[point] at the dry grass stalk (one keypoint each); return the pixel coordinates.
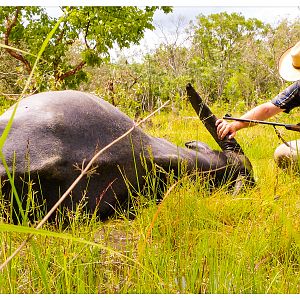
(76, 181)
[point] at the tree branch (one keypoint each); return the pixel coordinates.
(9, 27)
(86, 33)
(72, 72)
(61, 35)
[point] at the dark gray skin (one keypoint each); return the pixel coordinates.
(53, 132)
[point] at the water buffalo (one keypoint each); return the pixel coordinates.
(54, 133)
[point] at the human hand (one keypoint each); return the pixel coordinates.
(224, 128)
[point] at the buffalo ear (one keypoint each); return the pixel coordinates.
(198, 146)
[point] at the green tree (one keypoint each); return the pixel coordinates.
(241, 73)
(97, 28)
(217, 43)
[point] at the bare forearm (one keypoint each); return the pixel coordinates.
(261, 112)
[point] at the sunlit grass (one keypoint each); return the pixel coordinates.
(195, 241)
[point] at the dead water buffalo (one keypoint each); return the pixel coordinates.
(53, 132)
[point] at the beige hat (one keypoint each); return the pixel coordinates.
(289, 64)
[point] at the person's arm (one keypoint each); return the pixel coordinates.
(260, 112)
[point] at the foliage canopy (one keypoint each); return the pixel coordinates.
(96, 28)
(228, 58)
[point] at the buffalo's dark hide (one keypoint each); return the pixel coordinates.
(54, 133)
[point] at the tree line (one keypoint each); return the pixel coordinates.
(229, 58)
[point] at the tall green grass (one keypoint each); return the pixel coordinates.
(194, 241)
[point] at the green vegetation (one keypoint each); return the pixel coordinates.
(193, 242)
(228, 58)
(88, 33)
(196, 240)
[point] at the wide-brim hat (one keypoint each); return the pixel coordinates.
(289, 64)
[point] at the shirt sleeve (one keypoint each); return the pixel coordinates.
(289, 98)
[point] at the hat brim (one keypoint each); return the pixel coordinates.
(286, 69)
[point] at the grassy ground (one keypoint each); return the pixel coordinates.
(193, 242)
